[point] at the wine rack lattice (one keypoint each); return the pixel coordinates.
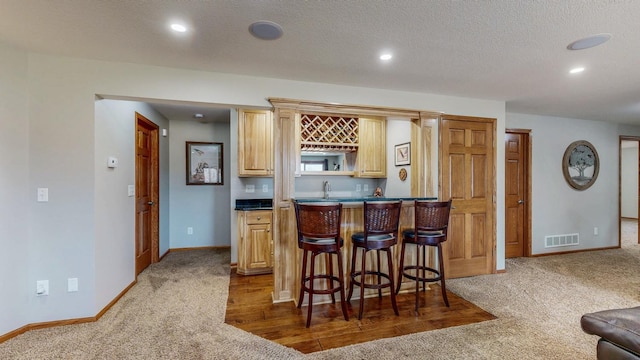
(328, 133)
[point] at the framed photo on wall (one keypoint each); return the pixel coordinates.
(580, 165)
(403, 154)
(204, 163)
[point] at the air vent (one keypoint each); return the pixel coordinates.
(561, 240)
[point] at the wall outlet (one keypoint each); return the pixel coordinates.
(72, 284)
(189, 231)
(43, 194)
(265, 188)
(595, 230)
(42, 287)
(250, 188)
(366, 187)
(358, 187)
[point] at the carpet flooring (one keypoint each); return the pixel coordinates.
(177, 311)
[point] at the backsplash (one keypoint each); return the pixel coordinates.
(311, 186)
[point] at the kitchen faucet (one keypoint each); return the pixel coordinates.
(327, 188)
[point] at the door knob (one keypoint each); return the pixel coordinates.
(150, 203)
(520, 201)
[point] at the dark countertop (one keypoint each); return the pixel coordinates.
(254, 204)
(362, 199)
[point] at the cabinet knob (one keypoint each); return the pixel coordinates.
(258, 218)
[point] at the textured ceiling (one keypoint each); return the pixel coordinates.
(507, 50)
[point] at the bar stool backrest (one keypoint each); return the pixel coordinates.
(432, 216)
(381, 218)
(318, 221)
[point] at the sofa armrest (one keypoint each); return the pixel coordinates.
(618, 326)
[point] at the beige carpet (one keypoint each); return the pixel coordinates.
(176, 311)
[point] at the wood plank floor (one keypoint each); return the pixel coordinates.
(250, 308)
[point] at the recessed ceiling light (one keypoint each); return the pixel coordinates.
(198, 116)
(265, 30)
(576, 70)
(386, 57)
(589, 42)
(178, 28)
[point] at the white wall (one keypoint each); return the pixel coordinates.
(115, 211)
(398, 132)
(556, 207)
(629, 181)
(62, 146)
(16, 196)
(205, 208)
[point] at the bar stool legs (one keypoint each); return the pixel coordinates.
(331, 288)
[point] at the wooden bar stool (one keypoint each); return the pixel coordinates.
(381, 220)
(319, 233)
(430, 229)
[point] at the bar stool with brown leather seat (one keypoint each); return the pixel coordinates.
(381, 219)
(430, 229)
(319, 233)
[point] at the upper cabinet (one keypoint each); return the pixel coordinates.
(371, 161)
(255, 143)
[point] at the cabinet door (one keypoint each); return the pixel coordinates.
(259, 242)
(372, 156)
(255, 149)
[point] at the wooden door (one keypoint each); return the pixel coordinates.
(146, 190)
(468, 177)
(516, 194)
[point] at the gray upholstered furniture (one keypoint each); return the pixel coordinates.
(619, 331)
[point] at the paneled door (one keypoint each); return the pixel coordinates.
(516, 145)
(468, 177)
(146, 193)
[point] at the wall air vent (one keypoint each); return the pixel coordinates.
(561, 240)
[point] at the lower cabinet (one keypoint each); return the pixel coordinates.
(255, 242)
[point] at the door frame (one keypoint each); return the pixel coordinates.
(155, 185)
(621, 139)
(527, 148)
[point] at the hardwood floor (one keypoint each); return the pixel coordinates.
(250, 308)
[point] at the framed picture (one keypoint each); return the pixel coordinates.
(204, 163)
(580, 165)
(403, 154)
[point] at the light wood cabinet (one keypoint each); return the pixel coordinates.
(255, 242)
(255, 143)
(371, 160)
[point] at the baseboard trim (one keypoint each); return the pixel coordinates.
(576, 251)
(49, 324)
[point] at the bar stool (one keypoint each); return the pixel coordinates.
(431, 223)
(381, 220)
(319, 233)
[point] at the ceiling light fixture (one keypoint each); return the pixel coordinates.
(178, 28)
(265, 30)
(198, 116)
(576, 70)
(589, 42)
(386, 57)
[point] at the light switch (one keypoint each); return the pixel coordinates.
(131, 190)
(72, 284)
(250, 188)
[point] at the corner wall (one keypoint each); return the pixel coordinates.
(556, 207)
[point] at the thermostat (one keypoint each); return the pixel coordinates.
(112, 162)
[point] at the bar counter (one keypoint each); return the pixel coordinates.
(352, 222)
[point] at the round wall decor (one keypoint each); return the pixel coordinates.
(403, 174)
(580, 165)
